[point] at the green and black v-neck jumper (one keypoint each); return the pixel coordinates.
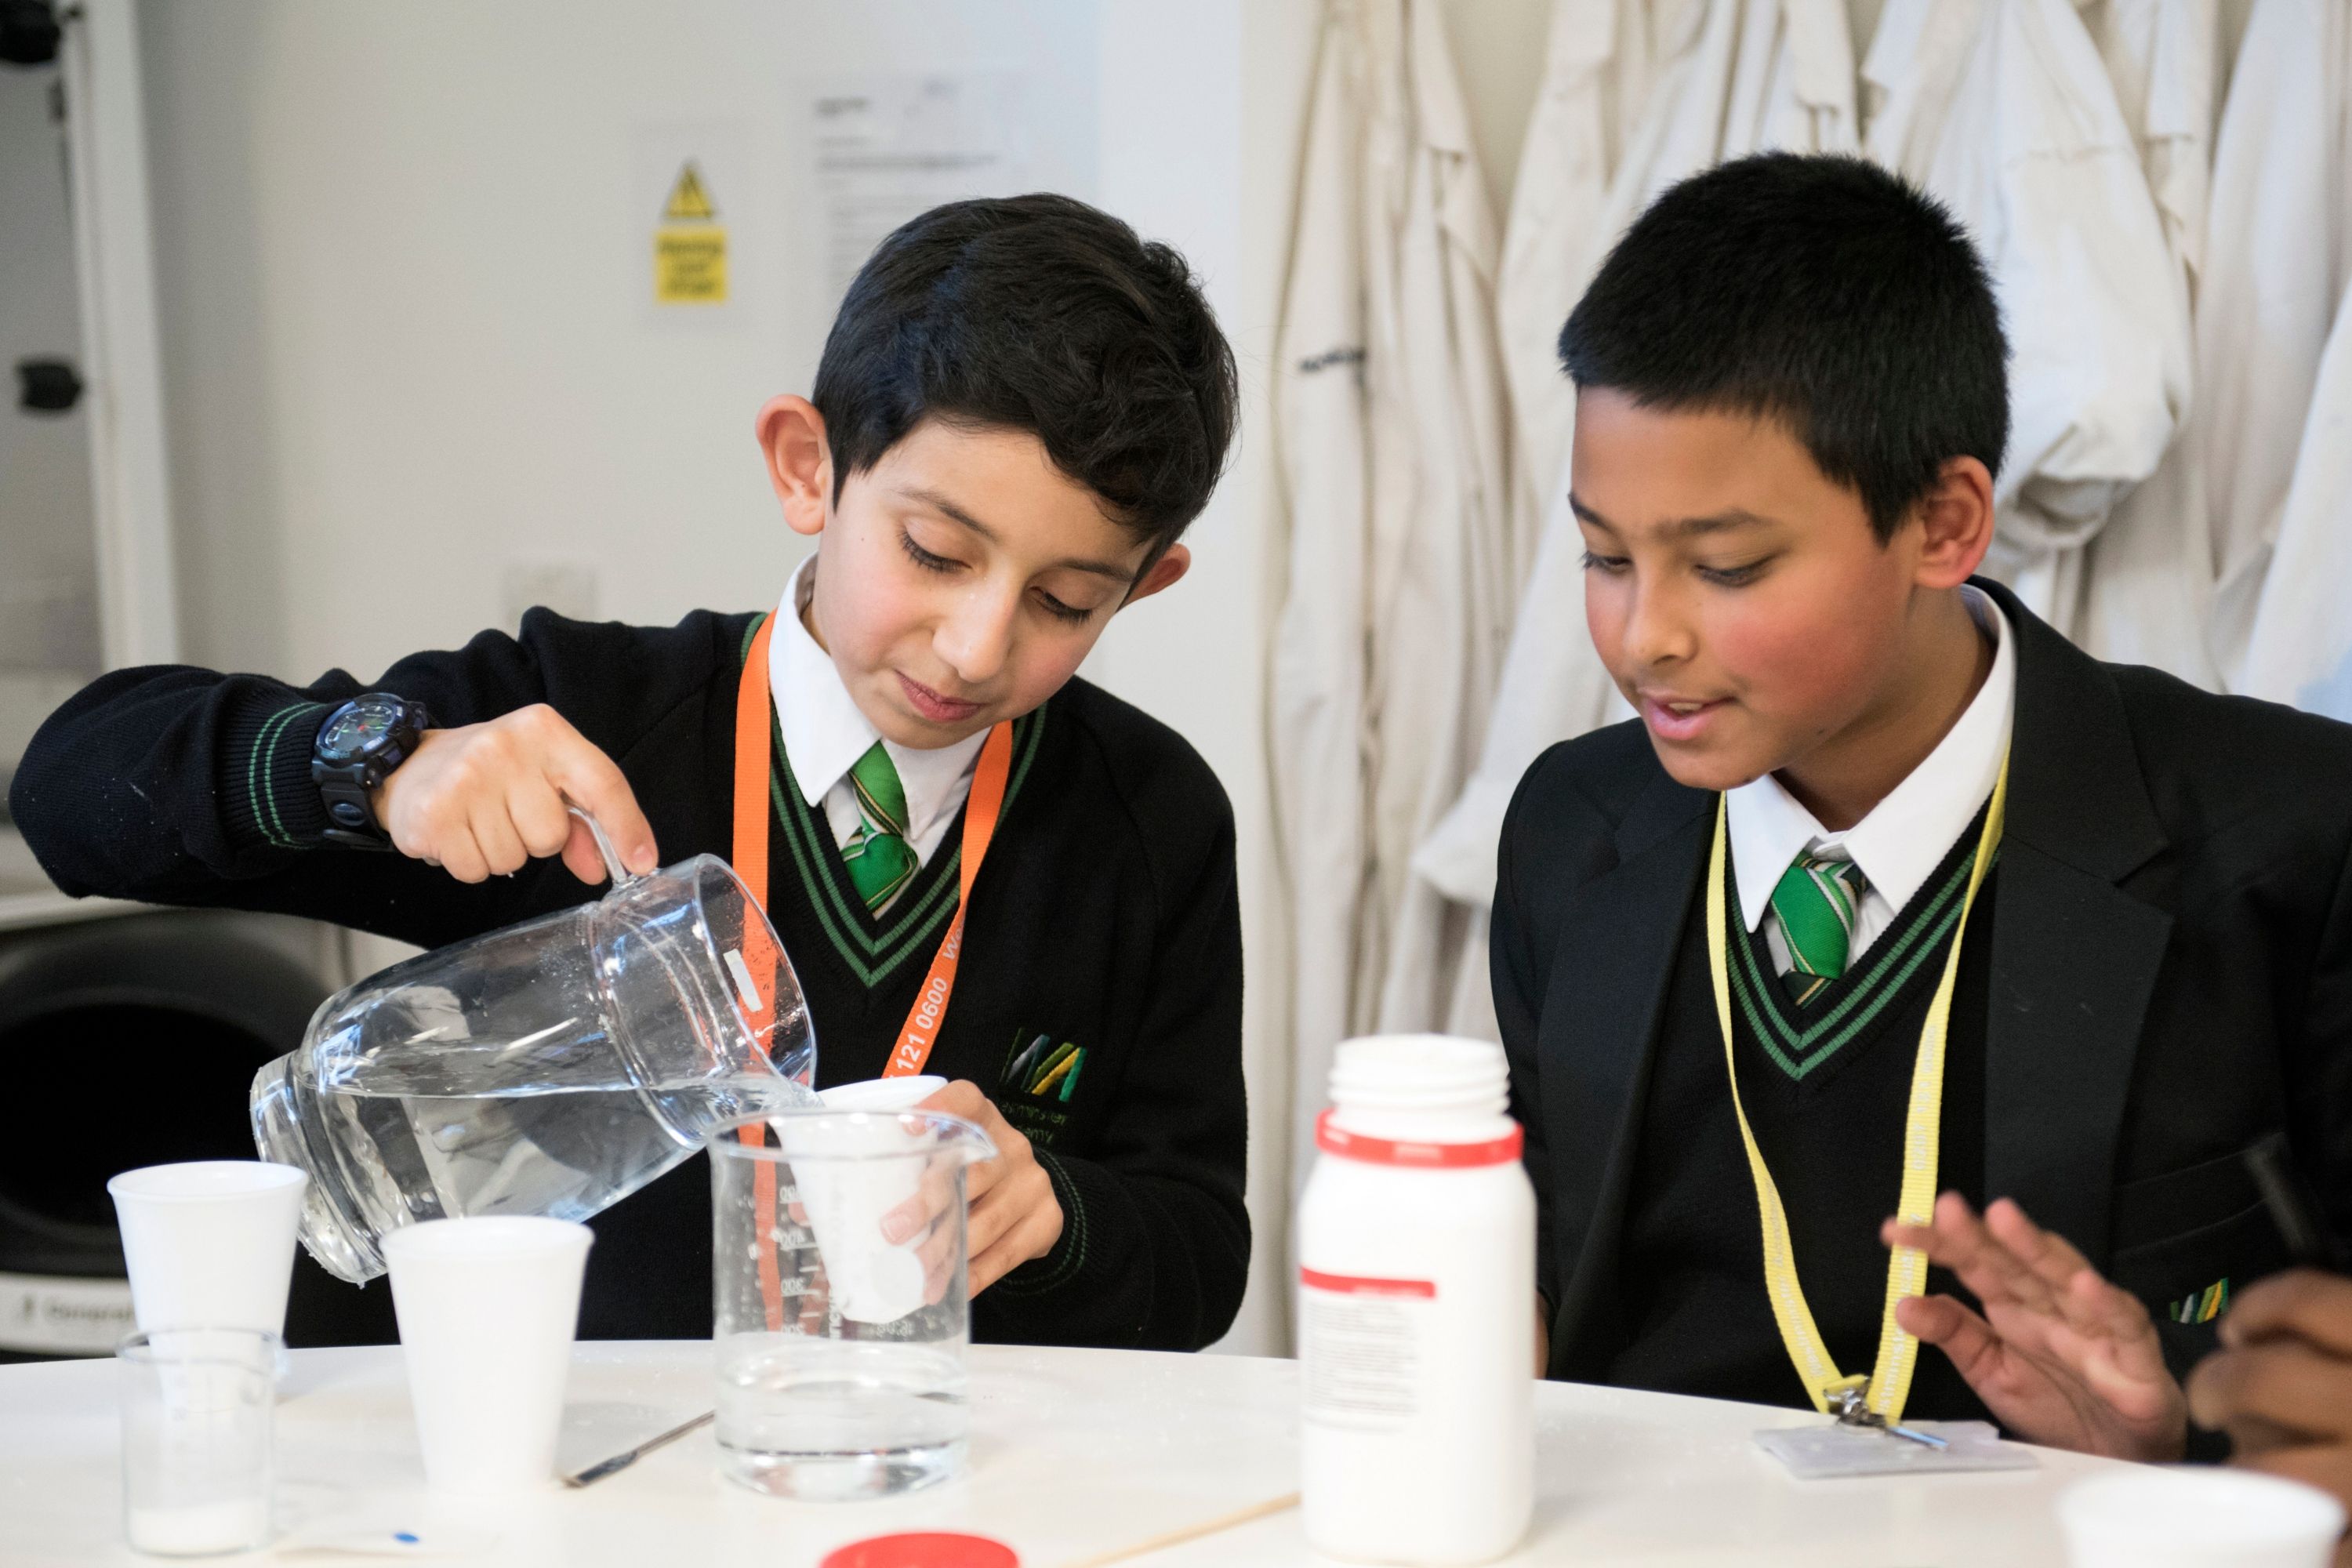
(1097, 1003)
(1826, 1085)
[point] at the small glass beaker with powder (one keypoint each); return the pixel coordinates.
(197, 1408)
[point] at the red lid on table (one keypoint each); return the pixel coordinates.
(924, 1549)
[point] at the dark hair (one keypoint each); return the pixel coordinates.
(1819, 291)
(1038, 313)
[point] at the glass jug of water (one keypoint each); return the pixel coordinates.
(553, 1068)
(842, 1313)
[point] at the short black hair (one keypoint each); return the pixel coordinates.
(1044, 314)
(1822, 293)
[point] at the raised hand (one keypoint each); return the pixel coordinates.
(2058, 1354)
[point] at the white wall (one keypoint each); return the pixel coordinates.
(402, 277)
(48, 563)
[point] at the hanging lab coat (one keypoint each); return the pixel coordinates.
(1319, 742)
(1599, 57)
(2148, 591)
(1728, 77)
(1393, 428)
(2002, 110)
(1443, 571)
(2275, 262)
(2301, 649)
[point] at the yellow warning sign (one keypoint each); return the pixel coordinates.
(687, 200)
(690, 246)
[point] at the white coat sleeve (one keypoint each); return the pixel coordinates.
(2301, 649)
(2037, 161)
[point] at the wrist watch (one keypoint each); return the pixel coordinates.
(357, 748)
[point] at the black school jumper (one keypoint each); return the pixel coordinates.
(2166, 978)
(1827, 1086)
(1097, 1003)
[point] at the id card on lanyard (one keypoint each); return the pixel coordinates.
(1878, 1399)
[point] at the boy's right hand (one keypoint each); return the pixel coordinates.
(483, 799)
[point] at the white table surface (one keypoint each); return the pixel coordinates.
(1074, 1452)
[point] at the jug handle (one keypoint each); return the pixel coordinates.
(619, 873)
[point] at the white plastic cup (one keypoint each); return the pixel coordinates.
(487, 1309)
(210, 1243)
(2186, 1517)
(853, 1178)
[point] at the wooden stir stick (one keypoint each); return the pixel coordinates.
(1189, 1532)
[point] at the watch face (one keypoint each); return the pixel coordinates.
(360, 727)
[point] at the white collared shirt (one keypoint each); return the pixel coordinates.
(825, 733)
(1905, 835)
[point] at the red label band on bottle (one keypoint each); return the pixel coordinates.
(1334, 1139)
(1364, 1285)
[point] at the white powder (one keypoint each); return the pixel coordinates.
(231, 1526)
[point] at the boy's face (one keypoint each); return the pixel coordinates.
(961, 580)
(1737, 594)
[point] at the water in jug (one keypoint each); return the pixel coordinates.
(552, 1068)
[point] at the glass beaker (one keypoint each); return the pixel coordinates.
(840, 1348)
(549, 1068)
(197, 1408)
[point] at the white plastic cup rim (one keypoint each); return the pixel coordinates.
(882, 1093)
(2177, 1508)
(491, 1235)
(844, 1137)
(203, 1181)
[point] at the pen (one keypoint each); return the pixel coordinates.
(2309, 1243)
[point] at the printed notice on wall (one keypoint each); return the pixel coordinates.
(689, 190)
(885, 147)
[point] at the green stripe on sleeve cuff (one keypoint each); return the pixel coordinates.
(264, 788)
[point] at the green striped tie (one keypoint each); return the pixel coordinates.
(880, 859)
(1817, 900)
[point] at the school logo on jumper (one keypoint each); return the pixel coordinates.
(2200, 1306)
(1043, 1070)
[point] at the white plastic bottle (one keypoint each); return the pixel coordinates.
(1416, 1311)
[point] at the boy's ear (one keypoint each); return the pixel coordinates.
(799, 464)
(1957, 518)
(1164, 573)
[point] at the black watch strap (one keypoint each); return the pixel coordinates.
(357, 748)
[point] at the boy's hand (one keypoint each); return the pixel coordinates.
(1013, 1215)
(483, 799)
(2282, 1384)
(2060, 1356)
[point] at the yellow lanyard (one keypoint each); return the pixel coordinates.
(1906, 1269)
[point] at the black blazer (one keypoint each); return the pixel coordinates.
(2171, 978)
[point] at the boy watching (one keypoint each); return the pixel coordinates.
(1019, 409)
(1724, 936)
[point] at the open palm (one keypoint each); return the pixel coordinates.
(2058, 1354)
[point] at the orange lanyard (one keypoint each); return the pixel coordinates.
(752, 774)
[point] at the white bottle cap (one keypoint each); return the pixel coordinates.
(1421, 1072)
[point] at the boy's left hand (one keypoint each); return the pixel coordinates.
(1013, 1215)
(2059, 1355)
